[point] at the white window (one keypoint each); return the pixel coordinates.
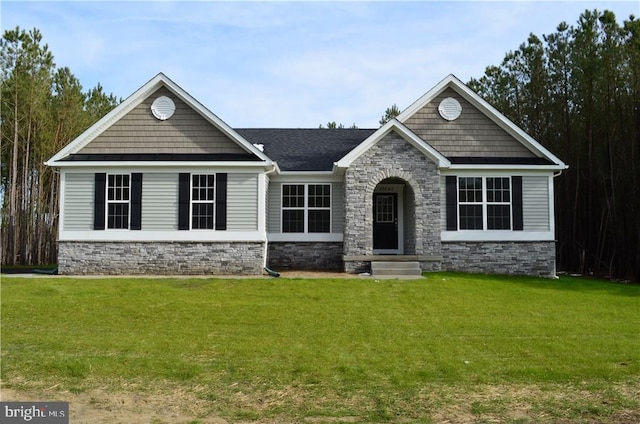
(118, 198)
(202, 201)
(306, 208)
(484, 203)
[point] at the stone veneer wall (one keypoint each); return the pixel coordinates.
(392, 157)
(305, 255)
(161, 258)
(516, 258)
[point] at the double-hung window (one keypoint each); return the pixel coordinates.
(306, 208)
(202, 201)
(498, 203)
(118, 201)
(484, 203)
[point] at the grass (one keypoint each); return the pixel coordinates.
(286, 349)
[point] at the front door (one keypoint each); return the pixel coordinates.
(385, 222)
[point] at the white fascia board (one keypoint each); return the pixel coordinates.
(150, 236)
(214, 119)
(134, 100)
(426, 98)
(305, 237)
(451, 81)
(404, 132)
(106, 121)
(163, 164)
(496, 236)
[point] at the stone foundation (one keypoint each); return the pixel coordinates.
(305, 256)
(512, 258)
(357, 267)
(160, 258)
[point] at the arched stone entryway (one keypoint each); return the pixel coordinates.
(392, 161)
(393, 217)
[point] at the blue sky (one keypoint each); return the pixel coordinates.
(290, 64)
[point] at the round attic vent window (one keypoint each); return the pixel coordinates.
(163, 108)
(450, 109)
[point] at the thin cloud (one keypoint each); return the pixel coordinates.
(290, 64)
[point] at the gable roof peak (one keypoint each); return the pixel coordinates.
(135, 99)
(393, 125)
(453, 82)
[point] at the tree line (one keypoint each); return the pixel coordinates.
(577, 91)
(42, 108)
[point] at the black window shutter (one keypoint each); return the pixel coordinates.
(99, 201)
(136, 201)
(516, 203)
(221, 201)
(451, 188)
(184, 186)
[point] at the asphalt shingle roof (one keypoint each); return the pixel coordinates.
(311, 149)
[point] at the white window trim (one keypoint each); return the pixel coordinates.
(108, 202)
(306, 208)
(485, 202)
(191, 201)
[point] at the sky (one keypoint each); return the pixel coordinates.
(276, 64)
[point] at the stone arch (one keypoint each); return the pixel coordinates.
(391, 158)
(385, 174)
(412, 209)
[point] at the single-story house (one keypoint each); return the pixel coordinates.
(162, 185)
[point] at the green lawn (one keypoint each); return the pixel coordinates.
(384, 350)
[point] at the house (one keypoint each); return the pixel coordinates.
(162, 185)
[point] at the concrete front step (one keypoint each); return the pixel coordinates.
(395, 268)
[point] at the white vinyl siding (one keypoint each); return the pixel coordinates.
(443, 203)
(535, 203)
(274, 207)
(78, 202)
(267, 201)
(159, 201)
(337, 207)
(242, 202)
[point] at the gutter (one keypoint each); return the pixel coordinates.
(274, 168)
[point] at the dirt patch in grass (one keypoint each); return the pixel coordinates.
(100, 406)
(436, 404)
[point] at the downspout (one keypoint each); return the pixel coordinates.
(272, 273)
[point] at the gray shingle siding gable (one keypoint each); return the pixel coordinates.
(472, 134)
(140, 132)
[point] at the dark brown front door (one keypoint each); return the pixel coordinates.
(385, 221)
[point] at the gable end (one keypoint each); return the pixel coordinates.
(471, 134)
(139, 131)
